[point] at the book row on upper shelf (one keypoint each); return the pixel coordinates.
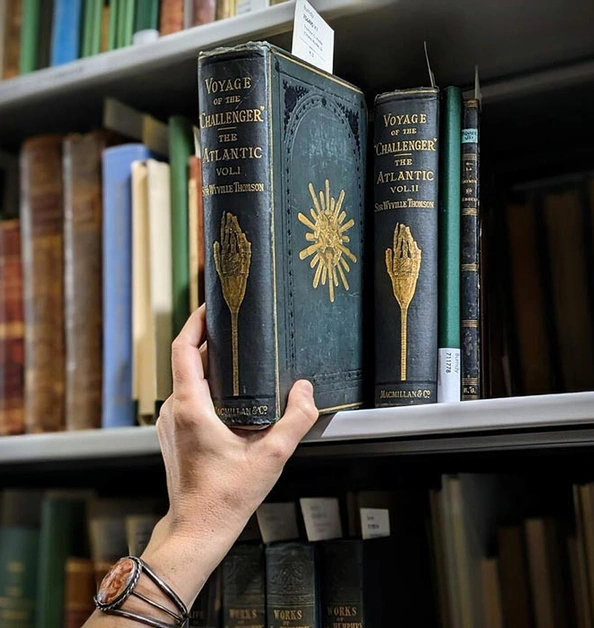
(36, 34)
(466, 549)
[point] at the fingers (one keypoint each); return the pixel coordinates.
(299, 417)
(186, 361)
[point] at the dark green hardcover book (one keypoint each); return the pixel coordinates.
(405, 246)
(470, 253)
(114, 14)
(181, 146)
(62, 535)
(283, 169)
(292, 595)
(448, 358)
(29, 36)
(19, 553)
(92, 21)
(244, 586)
(147, 15)
(206, 610)
(125, 23)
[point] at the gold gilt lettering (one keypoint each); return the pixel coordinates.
(286, 615)
(243, 613)
(230, 154)
(405, 146)
(421, 393)
(248, 410)
(228, 85)
(239, 116)
(391, 119)
(405, 175)
(342, 611)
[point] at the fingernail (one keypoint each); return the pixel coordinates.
(306, 386)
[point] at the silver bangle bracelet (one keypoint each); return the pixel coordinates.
(120, 583)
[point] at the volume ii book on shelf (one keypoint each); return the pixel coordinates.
(283, 157)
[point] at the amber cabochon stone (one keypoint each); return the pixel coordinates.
(116, 581)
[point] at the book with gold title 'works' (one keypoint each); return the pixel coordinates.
(283, 157)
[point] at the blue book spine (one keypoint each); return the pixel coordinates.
(66, 31)
(118, 406)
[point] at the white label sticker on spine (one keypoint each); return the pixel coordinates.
(278, 522)
(375, 523)
(448, 375)
(322, 518)
(313, 38)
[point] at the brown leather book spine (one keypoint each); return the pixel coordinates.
(12, 41)
(43, 280)
(12, 329)
(172, 16)
(203, 12)
(196, 183)
(82, 279)
(79, 592)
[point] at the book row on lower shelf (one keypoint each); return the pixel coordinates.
(361, 265)
(36, 34)
(472, 550)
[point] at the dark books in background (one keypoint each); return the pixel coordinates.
(470, 254)
(42, 254)
(449, 368)
(206, 610)
(12, 349)
(244, 586)
(292, 591)
(12, 38)
(405, 178)
(283, 232)
(82, 279)
(79, 589)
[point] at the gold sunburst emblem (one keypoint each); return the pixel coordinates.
(329, 239)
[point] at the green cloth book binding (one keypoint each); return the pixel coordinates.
(125, 27)
(112, 39)
(63, 534)
(19, 554)
(181, 146)
(29, 36)
(146, 21)
(92, 22)
(448, 355)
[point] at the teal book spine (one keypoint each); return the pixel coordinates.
(181, 138)
(283, 175)
(448, 355)
(19, 553)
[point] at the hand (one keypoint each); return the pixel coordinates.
(216, 477)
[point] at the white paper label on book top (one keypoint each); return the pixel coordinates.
(375, 523)
(448, 375)
(278, 521)
(313, 38)
(247, 6)
(322, 518)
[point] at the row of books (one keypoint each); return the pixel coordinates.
(35, 34)
(472, 550)
(99, 273)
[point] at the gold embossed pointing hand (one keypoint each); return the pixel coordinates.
(403, 264)
(233, 256)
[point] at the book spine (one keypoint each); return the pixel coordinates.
(196, 235)
(29, 36)
(226, 9)
(79, 591)
(448, 372)
(147, 15)
(291, 586)
(206, 610)
(12, 41)
(19, 553)
(42, 252)
(82, 279)
(244, 587)
(172, 16)
(204, 11)
(112, 29)
(235, 131)
(44, 44)
(12, 420)
(66, 31)
(405, 242)
(470, 253)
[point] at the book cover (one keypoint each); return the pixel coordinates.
(117, 403)
(42, 228)
(449, 371)
(30, 32)
(12, 39)
(283, 169)
(12, 340)
(405, 177)
(66, 31)
(181, 144)
(470, 253)
(244, 586)
(292, 595)
(83, 209)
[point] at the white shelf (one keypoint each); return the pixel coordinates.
(436, 421)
